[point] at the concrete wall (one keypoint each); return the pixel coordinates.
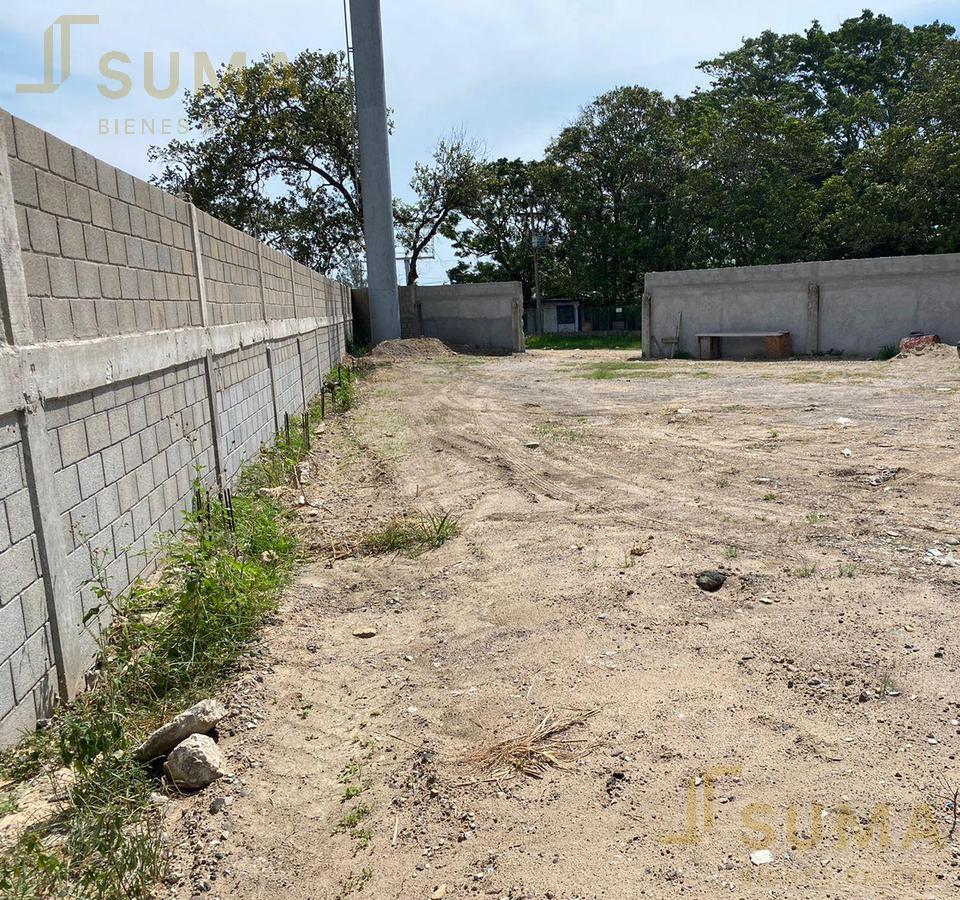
(854, 307)
(481, 316)
(140, 339)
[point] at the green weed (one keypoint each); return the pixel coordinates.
(350, 824)
(552, 431)
(888, 351)
(888, 685)
(413, 535)
(621, 368)
(8, 804)
(353, 883)
(805, 571)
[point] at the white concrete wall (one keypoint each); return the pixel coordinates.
(865, 304)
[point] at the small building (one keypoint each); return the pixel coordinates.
(559, 316)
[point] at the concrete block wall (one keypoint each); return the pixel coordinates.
(231, 272)
(852, 307)
(481, 316)
(27, 684)
(126, 456)
(245, 399)
(287, 376)
(142, 340)
(104, 253)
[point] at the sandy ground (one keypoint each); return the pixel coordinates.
(814, 695)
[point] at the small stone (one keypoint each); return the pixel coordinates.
(439, 893)
(761, 857)
(711, 581)
(365, 632)
(532, 445)
(195, 763)
(766, 600)
(218, 805)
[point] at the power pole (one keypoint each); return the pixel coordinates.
(375, 169)
(538, 328)
(538, 240)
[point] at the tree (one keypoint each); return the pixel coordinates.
(901, 190)
(754, 172)
(854, 79)
(495, 241)
(619, 189)
(445, 189)
(278, 156)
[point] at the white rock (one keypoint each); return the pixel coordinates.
(195, 763)
(761, 857)
(199, 719)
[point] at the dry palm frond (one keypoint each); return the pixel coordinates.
(533, 753)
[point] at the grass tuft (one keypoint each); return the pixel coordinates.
(414, 534)
(888, 351)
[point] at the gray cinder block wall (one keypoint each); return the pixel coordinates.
(141, 339)
(853, 307)
(485, 316)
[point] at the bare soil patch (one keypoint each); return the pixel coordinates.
(816, 689)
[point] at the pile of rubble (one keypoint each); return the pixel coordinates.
(192, 758)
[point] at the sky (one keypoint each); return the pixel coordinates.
(510, 73)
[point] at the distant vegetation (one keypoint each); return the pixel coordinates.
(819, 145)
(583, 342)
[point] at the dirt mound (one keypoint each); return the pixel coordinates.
(410, 349)
(933, 351)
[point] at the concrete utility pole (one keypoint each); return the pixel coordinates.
(375, 169)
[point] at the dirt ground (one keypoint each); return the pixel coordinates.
(811, 698)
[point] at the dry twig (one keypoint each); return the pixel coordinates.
(533, 753)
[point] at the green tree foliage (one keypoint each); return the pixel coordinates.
(444, 189)
(820, 145)
(276, 157)
(513, 198)
(619, 198)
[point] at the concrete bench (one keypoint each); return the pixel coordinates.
(778, 342)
